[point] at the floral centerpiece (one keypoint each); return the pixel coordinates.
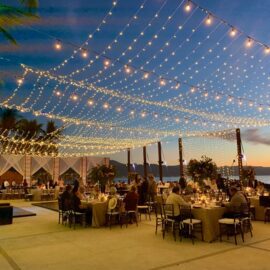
(102, 175)
(202, 169)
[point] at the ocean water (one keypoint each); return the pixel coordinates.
(261, 178)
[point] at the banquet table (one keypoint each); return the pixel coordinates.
(99, 210)
(209, 217)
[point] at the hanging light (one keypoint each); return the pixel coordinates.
(233, 32)
(155, 115)
(249, 42)
(250, 104)
(106, 63)
(58, 93)
(19, 80)
(128, 69)
(58, 45)
(84, 53)
(208, 20)
(205, 94)
(74, 97)
(260, 108)
(177, 86)
(146, 75)
(143, 114)
(106, 105)
(188, 6)
(240, 102)
(266, 50)
(90, 101)
(230, 99)
(162, 82)
(132, 112)
(217, 97)
(119, 109)
(192, 90)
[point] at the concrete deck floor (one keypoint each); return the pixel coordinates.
(40, 243)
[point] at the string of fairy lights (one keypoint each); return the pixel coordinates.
(174, 76)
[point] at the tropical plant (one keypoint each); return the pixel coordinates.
(202, 169)
(102, 174)
(11, 16)
(8, 119)
(30, 129)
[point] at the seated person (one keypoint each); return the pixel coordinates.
(237, 199)
(176, 199)
(78, 207)
(131, 199)
(66, 198)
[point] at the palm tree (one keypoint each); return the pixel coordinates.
(30, 129)
(11, 16)
(8, 119)
(52, 134)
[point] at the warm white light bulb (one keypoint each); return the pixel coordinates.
(58, 45)
(58, 93)
(249, 43)
(106, 105)
(106, 63)
(90, 102)
(128, 69)
(162, 82)
(74, 97)
(84, 54)
(266, 50)
(119, 109)
(233, 32)
(208, 20)
(188, 7)
(146, 75)
(19, 81)
(192, 89)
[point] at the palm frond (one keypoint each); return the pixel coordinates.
(8, 36)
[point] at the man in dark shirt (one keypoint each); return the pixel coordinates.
(66, 198)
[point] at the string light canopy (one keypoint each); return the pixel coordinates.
(160, 75)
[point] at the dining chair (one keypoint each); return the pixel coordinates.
(169, 221)
(189, 225)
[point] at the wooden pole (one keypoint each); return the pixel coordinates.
(181, 165)
(239, 156)
(128, 165)
(160, 162)
(144, 162)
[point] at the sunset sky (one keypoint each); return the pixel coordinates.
(243, 73)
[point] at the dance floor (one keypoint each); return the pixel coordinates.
(48, 205)
(20, 212)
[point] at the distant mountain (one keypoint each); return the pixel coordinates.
(169, 171)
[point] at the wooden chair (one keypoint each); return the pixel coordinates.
(189, 226)
(159, 216)
(169, 220)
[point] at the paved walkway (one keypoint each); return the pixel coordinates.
(40, 243)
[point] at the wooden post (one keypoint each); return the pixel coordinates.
(128, 165)
(181, 165)
(144, 162)
(160, 162)
(239, 156)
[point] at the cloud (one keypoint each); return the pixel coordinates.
(253, 135)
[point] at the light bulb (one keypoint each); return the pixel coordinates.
(105, 105)
(146, 75)
(233, 32)
(74, 97)
(128, 69)
(19, 81)
(84, 53)
(119, 109)
(58, 45)
(162, 82)
(208, 20)
(106, 63)
(90, 102)
(249, 43)
(266, 50)
(58, 93)
(188, 7)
